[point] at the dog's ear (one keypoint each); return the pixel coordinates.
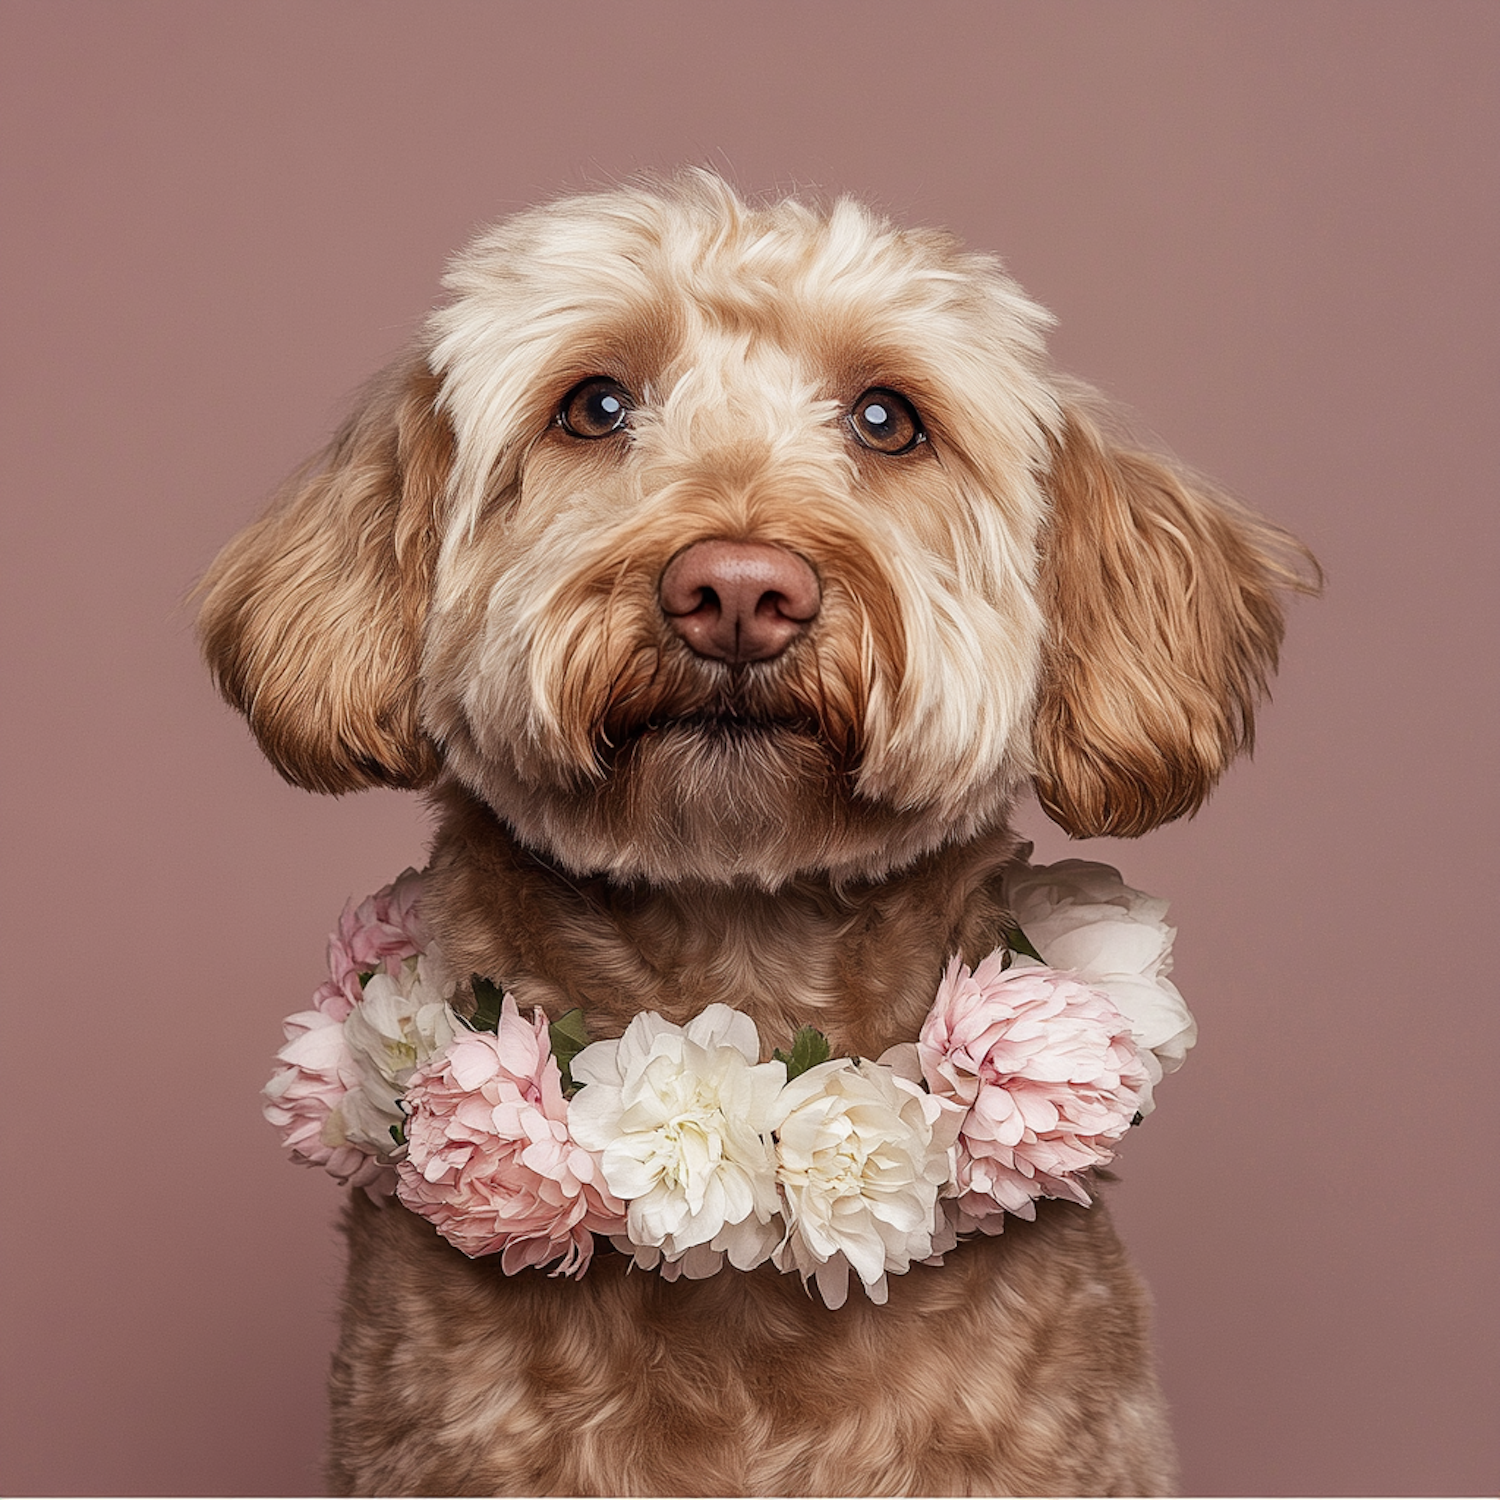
(312, 618)
(1163, 626)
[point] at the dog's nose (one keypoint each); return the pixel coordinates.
(739, 601)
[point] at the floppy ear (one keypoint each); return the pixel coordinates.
(312, 617)
(1163, 627)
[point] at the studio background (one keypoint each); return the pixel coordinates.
(1270, 228)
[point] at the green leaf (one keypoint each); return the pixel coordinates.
(398, 1134)
(569, 1035)
(809, 1048)
(1018, 942)
(487, 999)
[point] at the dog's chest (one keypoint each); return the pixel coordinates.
(1020, 1366)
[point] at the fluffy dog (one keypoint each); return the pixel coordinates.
(726, 572)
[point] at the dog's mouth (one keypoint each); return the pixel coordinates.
(722, 734)
(723, 710)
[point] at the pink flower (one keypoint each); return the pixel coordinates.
(304, 1097)
(379, 933)
(1083, 918)
(490, 1160)
(1050, 1074)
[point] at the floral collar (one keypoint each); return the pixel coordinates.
(524, 1139)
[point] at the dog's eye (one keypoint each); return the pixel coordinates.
(594, 409)
(886, 421)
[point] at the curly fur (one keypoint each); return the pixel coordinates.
(460, 592)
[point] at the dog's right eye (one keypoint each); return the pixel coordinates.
(595, 408)
(886, 422)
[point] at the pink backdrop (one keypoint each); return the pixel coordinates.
(1270, 227)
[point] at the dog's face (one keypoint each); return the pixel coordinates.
(708, 542)
(643, 388)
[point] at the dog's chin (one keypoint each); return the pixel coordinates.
(720, 801)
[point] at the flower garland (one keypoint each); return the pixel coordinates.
(524, 1139)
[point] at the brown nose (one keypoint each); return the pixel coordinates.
(739, 601)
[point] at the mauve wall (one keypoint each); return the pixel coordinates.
(1270, 227)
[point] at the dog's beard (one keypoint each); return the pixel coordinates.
(718, 802)
(716, 775)
(724, 794)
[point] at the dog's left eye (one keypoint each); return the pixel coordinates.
(595, 408)
(886, 421)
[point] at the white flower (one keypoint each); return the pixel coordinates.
(682, 1117)
(1082, 917)
(862, 1155)
(403, 1021)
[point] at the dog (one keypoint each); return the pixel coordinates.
(726, 572)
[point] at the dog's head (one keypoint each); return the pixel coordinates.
(704, 541)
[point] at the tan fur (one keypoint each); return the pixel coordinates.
(312, 618)
(1165, 627)
(461, 590)
(1019, 1367)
